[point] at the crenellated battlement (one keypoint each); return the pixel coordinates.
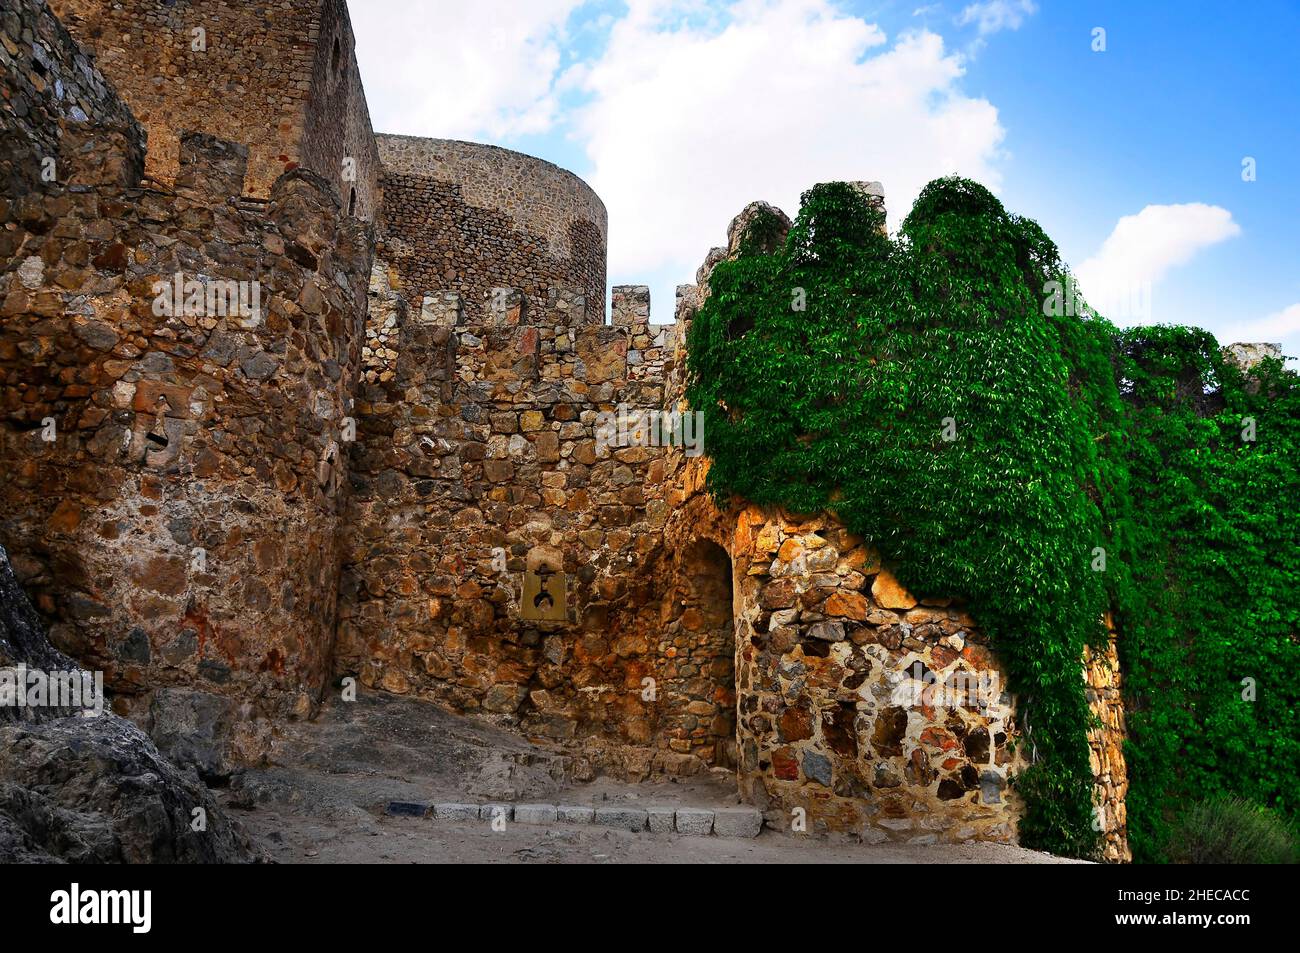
(564, 340)
(282, 78)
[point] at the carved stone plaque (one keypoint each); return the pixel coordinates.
(545, 597)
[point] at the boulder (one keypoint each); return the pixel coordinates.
(92, 789)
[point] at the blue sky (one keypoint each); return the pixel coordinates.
(679, 112)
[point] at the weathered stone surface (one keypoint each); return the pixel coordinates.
(889, 593)
(817, 767)
(351, 484)
(208, 438)
(295, 100)
(1246, 356)
(737, 822)
(1106, 750)
(460, 214)
(575, 814)
(214, 734)
(850, 605)
(660, 819)
(97, 791)
(455, 811)
(92, 789)
(827, 631)
(627, 818)
(536, 814)
(768, 238)
(695, 821)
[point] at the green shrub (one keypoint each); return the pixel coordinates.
(1231, 830)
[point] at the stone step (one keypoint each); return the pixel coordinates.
(741, 822)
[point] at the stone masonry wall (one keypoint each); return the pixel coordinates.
(172, 481)
(870, 711)
(267, 78)
(476, 459)
(867, 709)
(53, 91)
(465, 218)
(1106, 749)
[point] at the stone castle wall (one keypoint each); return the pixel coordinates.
(172, 481)
(204, 516)
(56, 98)
(872, 712)
(478, 458)
(267, 77)
(857, 707)
(1106, 749)
(464, 218)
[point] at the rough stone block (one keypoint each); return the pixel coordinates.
(576, 814)
(406, 809)
(694, 820)
(660, 819)
(628, 818)
(566, 307)
(873, 835)
(536, 814)
(211, 166)
(488, 811)
(440, 309)
(630, 304)
(737, 822)
(505, 307)
(455, 812)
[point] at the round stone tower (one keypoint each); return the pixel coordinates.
(466, 218)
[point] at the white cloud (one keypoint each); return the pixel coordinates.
(690, 119)
(480, 70)
(993, 16)
(1273, 328)
(1142, 249)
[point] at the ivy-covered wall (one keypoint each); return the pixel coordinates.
(1211, 611)
(940, 394)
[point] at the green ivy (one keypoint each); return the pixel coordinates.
(1209, 646)
(930, 391)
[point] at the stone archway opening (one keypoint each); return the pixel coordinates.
(700, 697)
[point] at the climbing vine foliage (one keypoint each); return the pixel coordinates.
(941, 392)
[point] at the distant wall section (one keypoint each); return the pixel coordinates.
(467, 218)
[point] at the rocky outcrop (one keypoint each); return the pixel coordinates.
(91, 789)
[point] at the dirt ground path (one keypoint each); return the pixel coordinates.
(323, 801)
(390, 840)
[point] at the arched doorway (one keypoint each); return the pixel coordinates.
(699, 697)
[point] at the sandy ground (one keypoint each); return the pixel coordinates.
(323, 802)
(298, 839)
